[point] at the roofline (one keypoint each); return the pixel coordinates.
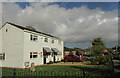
(3, 25)
(23, 28)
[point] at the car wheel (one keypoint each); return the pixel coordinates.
(78, 60)
(66, 60)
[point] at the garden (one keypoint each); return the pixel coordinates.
(61, 70)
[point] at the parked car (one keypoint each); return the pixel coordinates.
(73, 58)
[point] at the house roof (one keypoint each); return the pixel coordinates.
(24, 28)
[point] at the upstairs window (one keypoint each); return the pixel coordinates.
(6, 30)
(52, 41)
(33, 55)
(33, 37)
(2, 56)
(46, 40)
(59, 42)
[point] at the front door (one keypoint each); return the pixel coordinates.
(44, 60)
(54, 59)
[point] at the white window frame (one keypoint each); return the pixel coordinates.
(45, 39)
(2, 56)
(33, 55)
(53, 41)
(33, 37)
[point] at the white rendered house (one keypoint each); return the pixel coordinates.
(19, 47)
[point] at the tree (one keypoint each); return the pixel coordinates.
(98, 49)
(118, 49)
(78, 53)
(98, 41)
(98, 46)
(89, 50)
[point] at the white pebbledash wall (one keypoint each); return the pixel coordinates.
(0, 46)
(31, 46)
(37, 46)
(17, 47)
(12, 45)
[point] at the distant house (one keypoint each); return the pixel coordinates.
(73, 52)
(81, 52)
(19, 47)
(69, 52)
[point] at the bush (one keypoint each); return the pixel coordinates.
(50, 62)
(85, 58)
(95, 60)
(100, 60)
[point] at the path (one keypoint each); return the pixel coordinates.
(71, 63)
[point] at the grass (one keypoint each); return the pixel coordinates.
(60, 70)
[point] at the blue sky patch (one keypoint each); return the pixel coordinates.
(106, 6)
(23, 4)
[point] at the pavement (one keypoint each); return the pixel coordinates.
(71, 63)
(116, 66)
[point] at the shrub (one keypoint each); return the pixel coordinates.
(50, 62)
(100, 60)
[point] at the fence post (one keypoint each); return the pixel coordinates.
(14, 73)
(83, 73)
(112, 63)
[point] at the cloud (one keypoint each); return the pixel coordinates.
(72, 25)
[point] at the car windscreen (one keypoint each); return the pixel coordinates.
(71, 55)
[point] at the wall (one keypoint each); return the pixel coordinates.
(17, 47)
(37, 46)
(32, 46)
(0, 46)
(12, 46)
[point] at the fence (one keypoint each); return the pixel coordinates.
(21, 72)
(81, 73)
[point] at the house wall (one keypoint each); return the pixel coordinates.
(0, 46)
(32, 46)
(12, 46)
(17, 47)
(37, 46)
(74, 52)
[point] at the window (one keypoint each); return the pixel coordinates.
(52, 41)
(46, 40)
(33, 55)
(30, 55)
(33, 37)
(6, 30)
(59, 42)
(2, 56)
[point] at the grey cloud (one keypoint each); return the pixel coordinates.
(72, 25)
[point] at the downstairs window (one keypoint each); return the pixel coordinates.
(33, 55)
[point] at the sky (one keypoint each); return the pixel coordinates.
(77, 23)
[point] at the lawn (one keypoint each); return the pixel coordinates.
(60, 70)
